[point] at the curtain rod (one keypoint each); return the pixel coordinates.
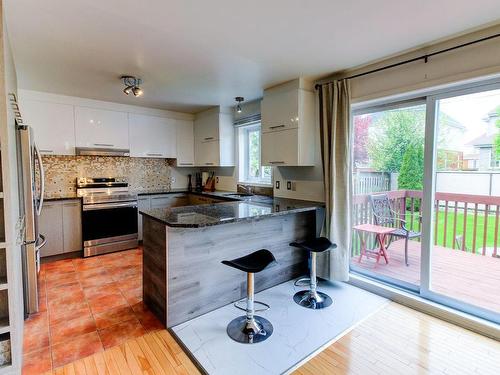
(422, 57)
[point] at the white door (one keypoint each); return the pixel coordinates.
(152, 136)
(51, 225)
(101, 128)
(72, 226)
(185, 143)
(280, 148)
(207, 153)
(280, 111)
(206, 128)
(53, 124)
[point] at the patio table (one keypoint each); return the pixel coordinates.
(380, 233)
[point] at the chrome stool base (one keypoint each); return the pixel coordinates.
(312, 300)
(249, 332)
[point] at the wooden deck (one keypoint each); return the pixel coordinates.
(471, 278)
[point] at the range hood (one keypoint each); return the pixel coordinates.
(100, 151)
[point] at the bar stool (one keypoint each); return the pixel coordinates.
(311, 298)
(250, 328)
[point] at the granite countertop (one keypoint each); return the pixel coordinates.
(61, 197)
(205, 215)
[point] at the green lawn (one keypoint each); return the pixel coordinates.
(490, 232)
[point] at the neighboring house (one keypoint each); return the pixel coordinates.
(484, 144)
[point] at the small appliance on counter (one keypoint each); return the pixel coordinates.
(109, 215)
(198, 182)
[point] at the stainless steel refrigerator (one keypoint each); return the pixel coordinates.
(31, 190)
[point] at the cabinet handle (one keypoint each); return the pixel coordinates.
(185, 163)
(209, 163)
(208, 138)
(71, 204)
(47, 151)
(276, 126)
(154, 154)
(276, 162)
(103, 144)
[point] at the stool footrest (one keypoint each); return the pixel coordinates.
(237, 305)
(304, 281)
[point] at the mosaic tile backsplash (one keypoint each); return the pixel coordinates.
(143, 174)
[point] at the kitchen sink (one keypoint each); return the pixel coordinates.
(238, 195)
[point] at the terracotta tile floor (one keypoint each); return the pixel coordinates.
(86, 306)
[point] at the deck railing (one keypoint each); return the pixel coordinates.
(462, 221)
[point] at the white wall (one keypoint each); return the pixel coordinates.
(469, 63)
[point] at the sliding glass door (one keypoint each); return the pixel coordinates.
(464, 259)
(426, 204)
(387, 186)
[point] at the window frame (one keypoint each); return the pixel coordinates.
(244, 150)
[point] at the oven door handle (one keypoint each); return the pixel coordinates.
(105, 206)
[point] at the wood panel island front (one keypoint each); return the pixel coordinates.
(183, 248)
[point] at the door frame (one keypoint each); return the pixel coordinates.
(431, 98)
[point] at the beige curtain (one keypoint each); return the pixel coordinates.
(334, 117)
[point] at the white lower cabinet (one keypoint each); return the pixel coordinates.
(61, 224)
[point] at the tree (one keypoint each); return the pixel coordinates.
(394, 132)
(411, 174)
(361, 128)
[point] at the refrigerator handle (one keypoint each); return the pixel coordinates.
(42, 179)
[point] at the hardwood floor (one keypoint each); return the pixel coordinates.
(395, 340)
(155, 353)
(399, 340)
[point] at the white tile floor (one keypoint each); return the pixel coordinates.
(298, 331)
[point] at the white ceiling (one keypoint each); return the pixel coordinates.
(193, 54)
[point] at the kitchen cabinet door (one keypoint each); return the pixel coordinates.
(207, 153)
(280, 111)
(206, 127)
(72, 226)
(53, 125)
(100, 128)
(185, 143)
(161, 201)
(152, 136)
(280, 148)
(143, 203)
(51, 226)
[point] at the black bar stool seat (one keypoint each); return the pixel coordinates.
(251, 328)
(255, 262)
(318, 245)
(311, 298)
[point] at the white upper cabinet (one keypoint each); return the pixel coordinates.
(101, 128)
(281, 110)
(185, 143)
(152, 136)
(288, 127)
(53, 124)
(214, 138)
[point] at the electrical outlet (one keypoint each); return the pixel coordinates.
(277, 185)
(289, 185)
(217, 179)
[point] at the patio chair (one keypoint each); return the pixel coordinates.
(384, 215)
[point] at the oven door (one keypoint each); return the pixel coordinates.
(107, 222)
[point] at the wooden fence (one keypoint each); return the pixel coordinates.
(452, 226)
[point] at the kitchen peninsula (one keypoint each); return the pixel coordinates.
(183, 248)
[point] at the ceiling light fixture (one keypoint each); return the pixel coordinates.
(132, 85)
(239, 99)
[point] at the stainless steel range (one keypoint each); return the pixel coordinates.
(109, 217)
